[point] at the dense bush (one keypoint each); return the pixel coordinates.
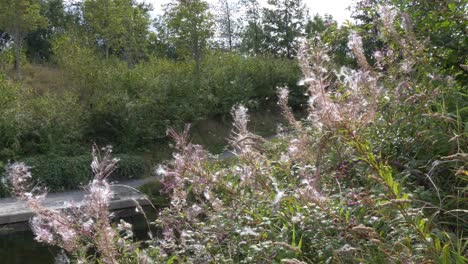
(130, 167)
(131, 107)
(232, 78)
(32, 124)
(60, 173)
(107, 102)
(69, 173)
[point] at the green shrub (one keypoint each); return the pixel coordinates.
(107, 102)
(60, 173)
(134, 107)
(31, 124)
(130, 167)
(3, 187)
(68, 173)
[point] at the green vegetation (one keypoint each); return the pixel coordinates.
(130, 108)
(69, 173)
(98, 84)
(376, 172)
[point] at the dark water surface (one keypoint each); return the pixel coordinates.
(20, 247)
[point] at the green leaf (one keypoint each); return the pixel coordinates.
(293, 242)
(452, 6)
(446, 254)
(172, 259)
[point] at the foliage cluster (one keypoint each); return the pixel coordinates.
(439, 24)
(109, 103)
(131, 107)
(68, 173)
(18, 18)
(32, 124)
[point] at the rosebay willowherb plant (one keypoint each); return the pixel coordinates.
(289, 201)
(326, 192)
(84, 227)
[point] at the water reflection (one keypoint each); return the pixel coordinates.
(20, 247)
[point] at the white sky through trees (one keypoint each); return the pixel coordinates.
(337, 8)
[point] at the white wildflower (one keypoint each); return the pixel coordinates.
(247, 231)
(161, 171)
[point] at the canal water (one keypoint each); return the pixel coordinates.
(19, 247)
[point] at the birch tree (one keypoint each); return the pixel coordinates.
(18, 18)
(283, 23)
(190, 25)
(228, 25)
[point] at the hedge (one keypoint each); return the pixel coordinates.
(69, 173)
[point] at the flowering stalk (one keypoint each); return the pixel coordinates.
(80, 227)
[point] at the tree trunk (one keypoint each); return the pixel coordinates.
(228, 13)
(127, 58)
(17, 40)
(255, 44)
(287, 31)
(107, 51)
(196, 51)
(197, 63)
